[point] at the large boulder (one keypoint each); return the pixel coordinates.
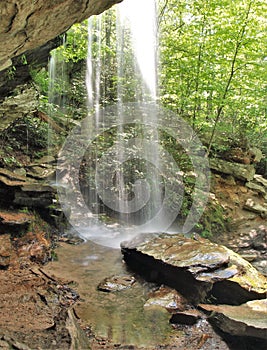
(197, 268)
(249, 319)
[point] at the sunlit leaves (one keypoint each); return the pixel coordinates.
(216, 40)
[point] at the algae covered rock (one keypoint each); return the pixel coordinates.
(240, 171)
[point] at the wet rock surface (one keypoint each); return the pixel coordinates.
(196, 268)
(121, 320)
(116, 283)
(231, 280)
(167, 298)
(219, 278)
(249, 319)
(71, 239)
(50, 291)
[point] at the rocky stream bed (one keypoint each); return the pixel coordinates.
(156, 292)
(89, 297)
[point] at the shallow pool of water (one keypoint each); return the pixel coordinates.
(119, 316)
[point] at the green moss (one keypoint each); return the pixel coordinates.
(213, 221)
(53, 256)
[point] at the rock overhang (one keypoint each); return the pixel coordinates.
(26, 24)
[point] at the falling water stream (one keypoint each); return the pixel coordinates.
(58, 82)
(119, 317)
(123, 179)
(51, 95)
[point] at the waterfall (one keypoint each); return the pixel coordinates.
(51, 97)
(93, 73)
(140, 17)
(142, 37)
(127, 173)
(93, 76)
(121, 180)
(58, 81)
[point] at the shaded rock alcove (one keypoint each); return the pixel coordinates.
(28, 24)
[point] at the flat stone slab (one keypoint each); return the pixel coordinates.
(14, 222)
(10, 178)
(197, 268)
(41, 172)
(249, 319)
(259, 209)
(38, 187)
(15, 218)
(116, 283)
(260, 179)
(168, 299)
(258, 187)
(239, 171)
(46, 160)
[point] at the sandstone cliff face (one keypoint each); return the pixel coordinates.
(27, 24)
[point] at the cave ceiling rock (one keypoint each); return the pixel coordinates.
(28, 24)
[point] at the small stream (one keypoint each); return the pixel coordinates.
(118, 316)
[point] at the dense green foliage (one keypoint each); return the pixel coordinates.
(24, 140)
(214, 65)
